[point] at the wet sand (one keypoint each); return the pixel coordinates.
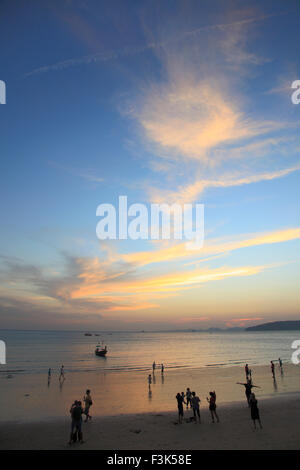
(28, 398)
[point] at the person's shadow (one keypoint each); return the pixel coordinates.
(275, 384)
(150, 394)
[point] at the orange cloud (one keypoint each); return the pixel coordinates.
(158, 284)
(192, 118)
(211, 247)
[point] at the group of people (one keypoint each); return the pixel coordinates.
(251, 399)
(61, 374)
(76, 412)
(273, 367)
(162, 368)
(250, 396)
(191, 399)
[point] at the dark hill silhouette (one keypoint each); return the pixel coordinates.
(276, 326)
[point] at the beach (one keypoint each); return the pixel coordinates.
(127, 414)
(155, 431)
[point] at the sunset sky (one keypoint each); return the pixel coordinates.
(162, 101)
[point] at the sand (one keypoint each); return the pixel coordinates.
(126, 416)
(155, 431)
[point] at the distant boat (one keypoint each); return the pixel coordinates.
(100, 350)
(88, 334)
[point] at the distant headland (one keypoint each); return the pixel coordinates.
(276, 326)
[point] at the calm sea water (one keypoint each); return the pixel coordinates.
(36, 351)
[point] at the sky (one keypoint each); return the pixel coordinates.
(165, 102)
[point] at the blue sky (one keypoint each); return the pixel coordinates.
(163, 102)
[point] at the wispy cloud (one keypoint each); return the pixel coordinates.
(196, 123)
(191, 192)
(86, 174)
(242, 322)
(108, 55)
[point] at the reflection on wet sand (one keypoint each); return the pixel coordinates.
(129, 392)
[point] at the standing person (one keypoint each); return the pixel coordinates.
(273, 369)
(188, 398)
(247, 371)
(87, 404)
(254, 411)
(195, 403)
(76, 424)
(49, 376)
(153, 367)
(280, 364)
(62, 373)
(213, 406)
(248, 389)
(149, 380)
(162, 368)
(180, 401)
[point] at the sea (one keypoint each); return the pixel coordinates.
(35, 352)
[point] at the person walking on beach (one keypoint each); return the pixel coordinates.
(273, 369)
(62, 373)
(149, 380)
(254, 411)
(76, 424)
(195, 403)
(49, 376)
(180, 401)
(188, 398)
(212, 406)
(153, 367)
(162, 368)
(87, 404)
(248, 389)
(280, 364)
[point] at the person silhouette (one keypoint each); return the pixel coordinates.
(180, 401)
(248, 389)
(254, 411)
(62, 373)
(273, 369)
(213, 406)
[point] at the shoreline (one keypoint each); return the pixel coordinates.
(157, 430)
